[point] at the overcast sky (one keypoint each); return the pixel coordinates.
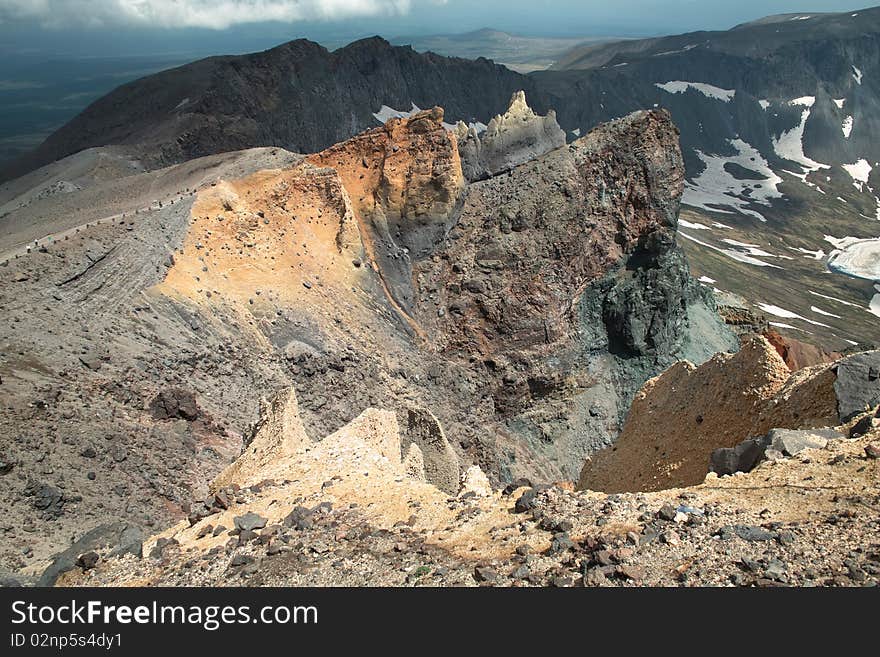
(112, 27)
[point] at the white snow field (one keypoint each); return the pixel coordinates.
(733, 254)
(776, 311)
(860, 172)
(790, 144)
(716, 186)
(857, 75)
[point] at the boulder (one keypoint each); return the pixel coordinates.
(173, 403)
(741, 458)
(791, 442)
(249, 522)
(475, 481)
(865, 424)
(858, 384)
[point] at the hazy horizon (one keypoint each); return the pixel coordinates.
(108, 28)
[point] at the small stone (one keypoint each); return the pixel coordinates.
(775, 570)
(526, 501)
(485, 574)
(560, 543)
(594, 577)
(88, 560)
(666, 512)
(521, 572)
(300, 518)
(241, 560)
(633, 573)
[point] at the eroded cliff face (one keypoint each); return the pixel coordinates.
(519, 313)
(406, 181)
(562, 288)
(534, 302)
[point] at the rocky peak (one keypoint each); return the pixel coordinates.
(406, 181)
(510, 139)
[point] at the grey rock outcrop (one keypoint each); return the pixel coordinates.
(745, 456)
(858, 384)
(791, 442)
(121, 538)
(512, 138)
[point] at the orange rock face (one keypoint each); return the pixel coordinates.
(407, 172)
(366, 201)
(797, 354)
(678, 418)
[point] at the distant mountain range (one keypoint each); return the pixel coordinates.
(520, 53)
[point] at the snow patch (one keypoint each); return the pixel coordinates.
(859, 172)
(859, 258)
(730, 253)
(754, 249)
(790, 144)
(764, 103)
(783, 325)
(819, 311)
(815, 255)
(825, 296)
(385, 113)
(576, 132)
(847, 127)
(857, 75)
(693, 226)
(708, 90)
(706, 279)
(716, 186)
(675, 52)
(839, 102)
(776, 311)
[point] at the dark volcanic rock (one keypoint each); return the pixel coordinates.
(117, 538)
(858, 384)
(279, 97)
(175, 403)
(742, 458)
(46, 499)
